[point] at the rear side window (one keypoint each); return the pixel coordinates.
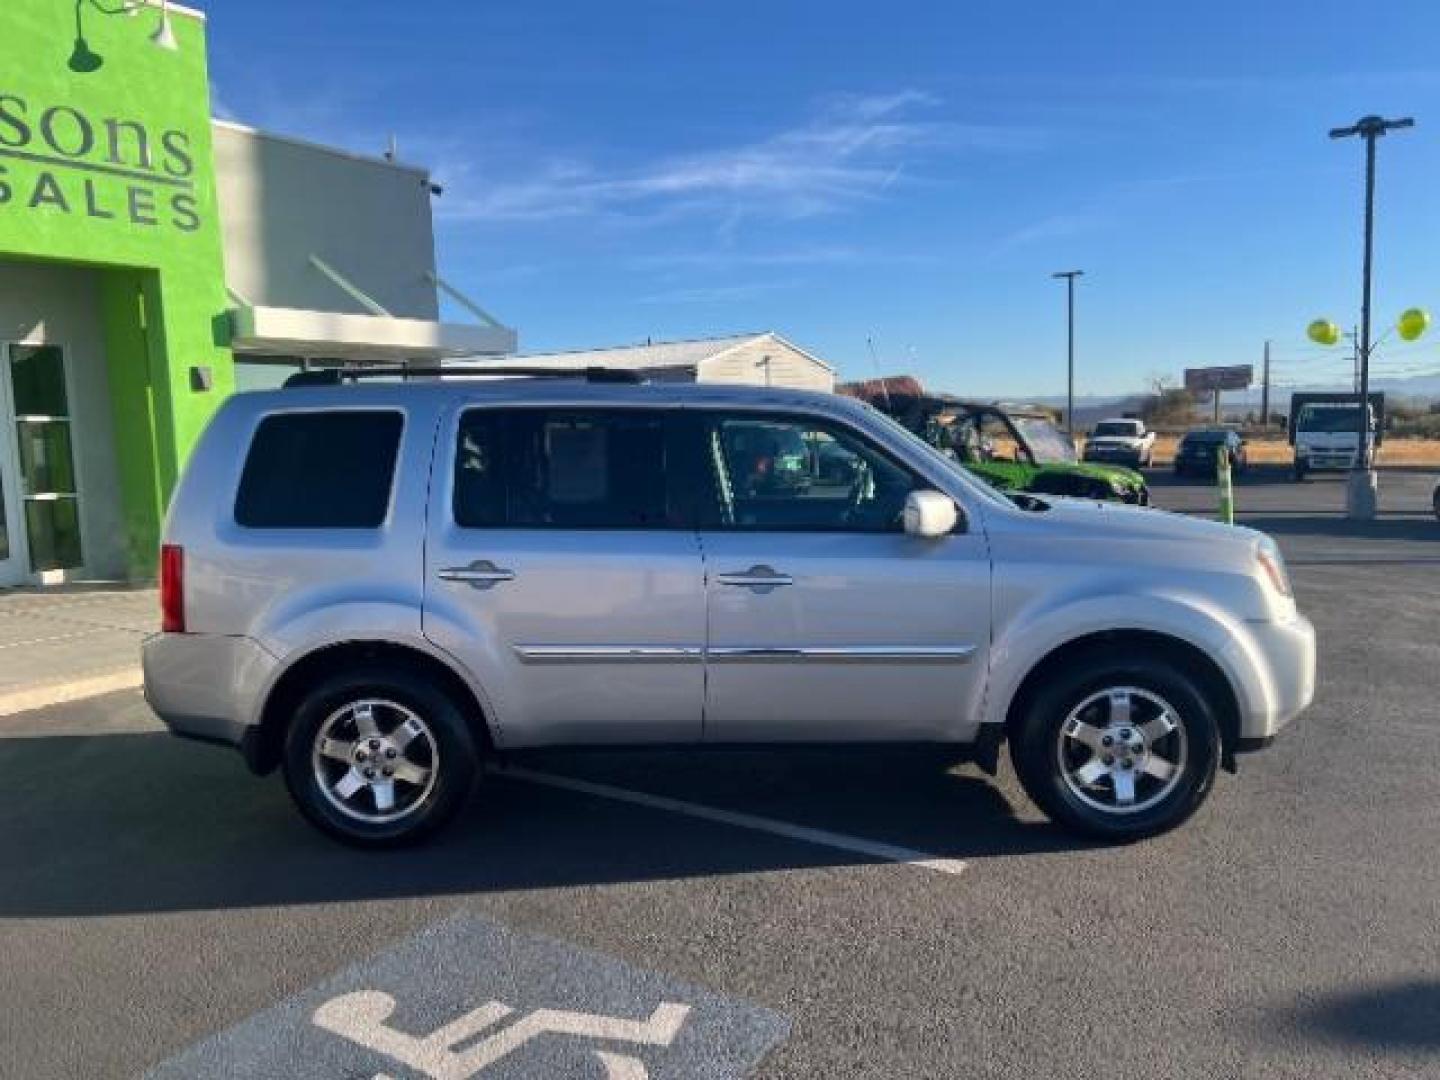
(320, 470)
(562, 469)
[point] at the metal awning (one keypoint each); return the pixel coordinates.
(340, 335)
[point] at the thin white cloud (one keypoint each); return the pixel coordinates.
(1052, 227)
(854, 150)
(729, 258)
(717, 294)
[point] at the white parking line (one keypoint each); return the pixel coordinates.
(41, 697)
(856, 845)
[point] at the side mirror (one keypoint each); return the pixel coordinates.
(930, 514)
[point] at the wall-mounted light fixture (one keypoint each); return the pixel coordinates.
(84, 59)
(164, 35)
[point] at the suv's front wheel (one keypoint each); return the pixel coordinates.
(379, 758)
(1118, 748)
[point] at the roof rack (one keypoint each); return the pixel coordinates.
(337, 376)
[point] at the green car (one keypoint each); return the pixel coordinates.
(1014, 450)
(1042, 460)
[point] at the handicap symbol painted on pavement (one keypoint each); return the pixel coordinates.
(360, 1017)
(471, 998)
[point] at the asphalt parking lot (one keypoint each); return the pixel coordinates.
(162, 910)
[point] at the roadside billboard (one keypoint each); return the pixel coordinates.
(1205, 379)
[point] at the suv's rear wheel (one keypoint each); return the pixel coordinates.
(1118, 749)
(378, 758)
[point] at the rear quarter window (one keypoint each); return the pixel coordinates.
(320, 470)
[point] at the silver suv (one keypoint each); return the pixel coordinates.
(378, 588)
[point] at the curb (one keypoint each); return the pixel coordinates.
(40, 697)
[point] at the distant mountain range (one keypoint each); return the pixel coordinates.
(1092, 407)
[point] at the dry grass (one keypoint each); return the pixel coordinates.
(1274, 450)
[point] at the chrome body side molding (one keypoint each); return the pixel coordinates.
(845, 654)
(592, 654)
(650, 654)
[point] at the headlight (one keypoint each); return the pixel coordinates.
(1267, 554)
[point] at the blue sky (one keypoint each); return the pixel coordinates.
(907, 173)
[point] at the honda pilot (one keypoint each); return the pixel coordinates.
(379, 588)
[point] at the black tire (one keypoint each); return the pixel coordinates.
(1039, 749)
(1435, 500)
(444, 737)
(1299, 473)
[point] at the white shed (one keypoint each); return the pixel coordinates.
(764, 359)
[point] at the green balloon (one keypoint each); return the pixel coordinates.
(1323, 332)
(1413, 323)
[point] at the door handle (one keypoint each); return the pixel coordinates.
(480, 574)
(761, 578)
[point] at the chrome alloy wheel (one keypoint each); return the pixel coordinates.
(1121, 750)
(375, 760)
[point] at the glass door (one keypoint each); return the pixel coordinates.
(44, 459)
(12, 565)
(13, 568)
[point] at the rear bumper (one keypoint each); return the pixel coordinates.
(1281, 656)
(206, 686)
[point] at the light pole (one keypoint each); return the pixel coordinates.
(1362, 494)
(1069, 276)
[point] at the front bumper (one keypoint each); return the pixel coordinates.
(1281, 659)
(1109, 456)
(206, 686)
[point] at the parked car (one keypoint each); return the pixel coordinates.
(1012, 449)
(1122, 442)
(1198, 452)
(377, 588)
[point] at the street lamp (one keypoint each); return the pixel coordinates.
(1363, 492)
(1069, 276)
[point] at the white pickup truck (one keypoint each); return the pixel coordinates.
(1121, 442)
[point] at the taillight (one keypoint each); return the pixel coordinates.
(172, 588)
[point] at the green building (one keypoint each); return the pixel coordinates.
(152, 260)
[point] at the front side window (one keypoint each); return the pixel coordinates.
(320, 470)
(781, 473)
(562, 469)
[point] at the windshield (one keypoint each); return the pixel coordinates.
(1124, 429)
(1344, 418)
(1049, 445)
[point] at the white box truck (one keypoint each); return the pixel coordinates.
(1325, 430)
